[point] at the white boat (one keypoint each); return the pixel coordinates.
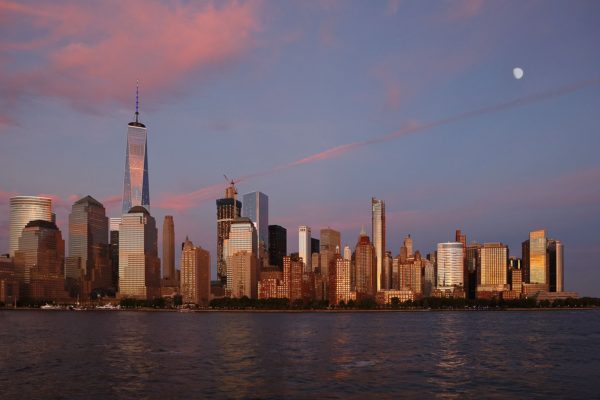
(108, 306)
(51, 307)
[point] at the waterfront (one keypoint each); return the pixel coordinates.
(45, 354)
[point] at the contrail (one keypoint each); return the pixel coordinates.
(185, 200)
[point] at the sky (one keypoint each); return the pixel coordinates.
(321, 105)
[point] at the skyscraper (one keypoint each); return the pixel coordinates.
(89, 257)
(195, 274)
(242, 272)
(228, 208)
(315, 245)
(168, 253)
(493, 265)
(378, 235)
(364, 259)
(113, 226)
(39, 261)
(24, 209)
(255, 205)
(136, 190)
(330, 240)
(535, 261)
(139, 265)
(449, 265)
(277, 245)
(304, 246)
(556, 265)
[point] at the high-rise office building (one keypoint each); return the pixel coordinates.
(277, 245)
(89, 258)
(409, 277)
(556, 265)
(255, 205)
(449, 265)
(304, 247)
(168, 251)
(330, 240)
(378, 235)
(315, 245)
(241, 261)
(292, 278)
(493, 265)
(139, 265)
(535, 258)
(339, 282)
(24, 209)
(39, 261)
(113, 227)
(195, 274)
(347, 253)
(228, 209)
(406, 251)
(136, 187)
(364, 259)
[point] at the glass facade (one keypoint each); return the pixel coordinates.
(277, 245)
(24, 209)
(538, 260)
(168, 253)
(255, 205)
(136, 191)
(493, 264)
(449, 265)
(228, 208)
(378, 235)
(304, 247)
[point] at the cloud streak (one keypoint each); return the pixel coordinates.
(185, 201)
(90, 54)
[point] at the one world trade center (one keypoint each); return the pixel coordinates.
(136, 190)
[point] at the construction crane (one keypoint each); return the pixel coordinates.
(229, 181)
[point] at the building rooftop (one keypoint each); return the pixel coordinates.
(138, 209)
(40, 223)
(89, 200)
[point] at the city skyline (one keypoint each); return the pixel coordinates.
(544, 176)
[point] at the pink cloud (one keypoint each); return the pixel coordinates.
(92, 53)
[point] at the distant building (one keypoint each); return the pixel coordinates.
(387, 296)
(270, 284)
(378, 237)
(428, 280)
(535, 259)
(556, 265)
(113, 226)
(449, 265)
(39, 261)
(168, 252)
(347, 253)
(24, 209)
(304, 246)
(255, 205)
(195, 274)
(277, 245)
(139, 265)
(410, 277)
(136, 186)
(228, 209)
(339, 282)
(492, 272)
(314, 245)
(366, 266)
(292, 278)
(242, 276)
(89, 258)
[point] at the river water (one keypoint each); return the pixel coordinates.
(169, 355)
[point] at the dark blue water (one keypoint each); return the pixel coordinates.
(156, 355)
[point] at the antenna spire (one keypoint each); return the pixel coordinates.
(137, 103)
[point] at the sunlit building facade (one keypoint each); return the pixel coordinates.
(535, 258)
(24, 209)
(139, 265)
(378, 237)
(89, 257)
(493, 264)
(136, 186)
(195, 274)
(339, 282)
(365, 263)
(242, 273)
(304, 247)
(449, 265)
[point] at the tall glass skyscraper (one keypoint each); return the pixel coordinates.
(228, 209)
(378, 234)
(24, 209)
(255, 205)
(450, 265)
(136, 191)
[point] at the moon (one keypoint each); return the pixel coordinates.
(518, 72)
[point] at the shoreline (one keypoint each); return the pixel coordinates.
(153, 310)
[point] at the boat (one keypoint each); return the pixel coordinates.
(51, 307)
(109, 306)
